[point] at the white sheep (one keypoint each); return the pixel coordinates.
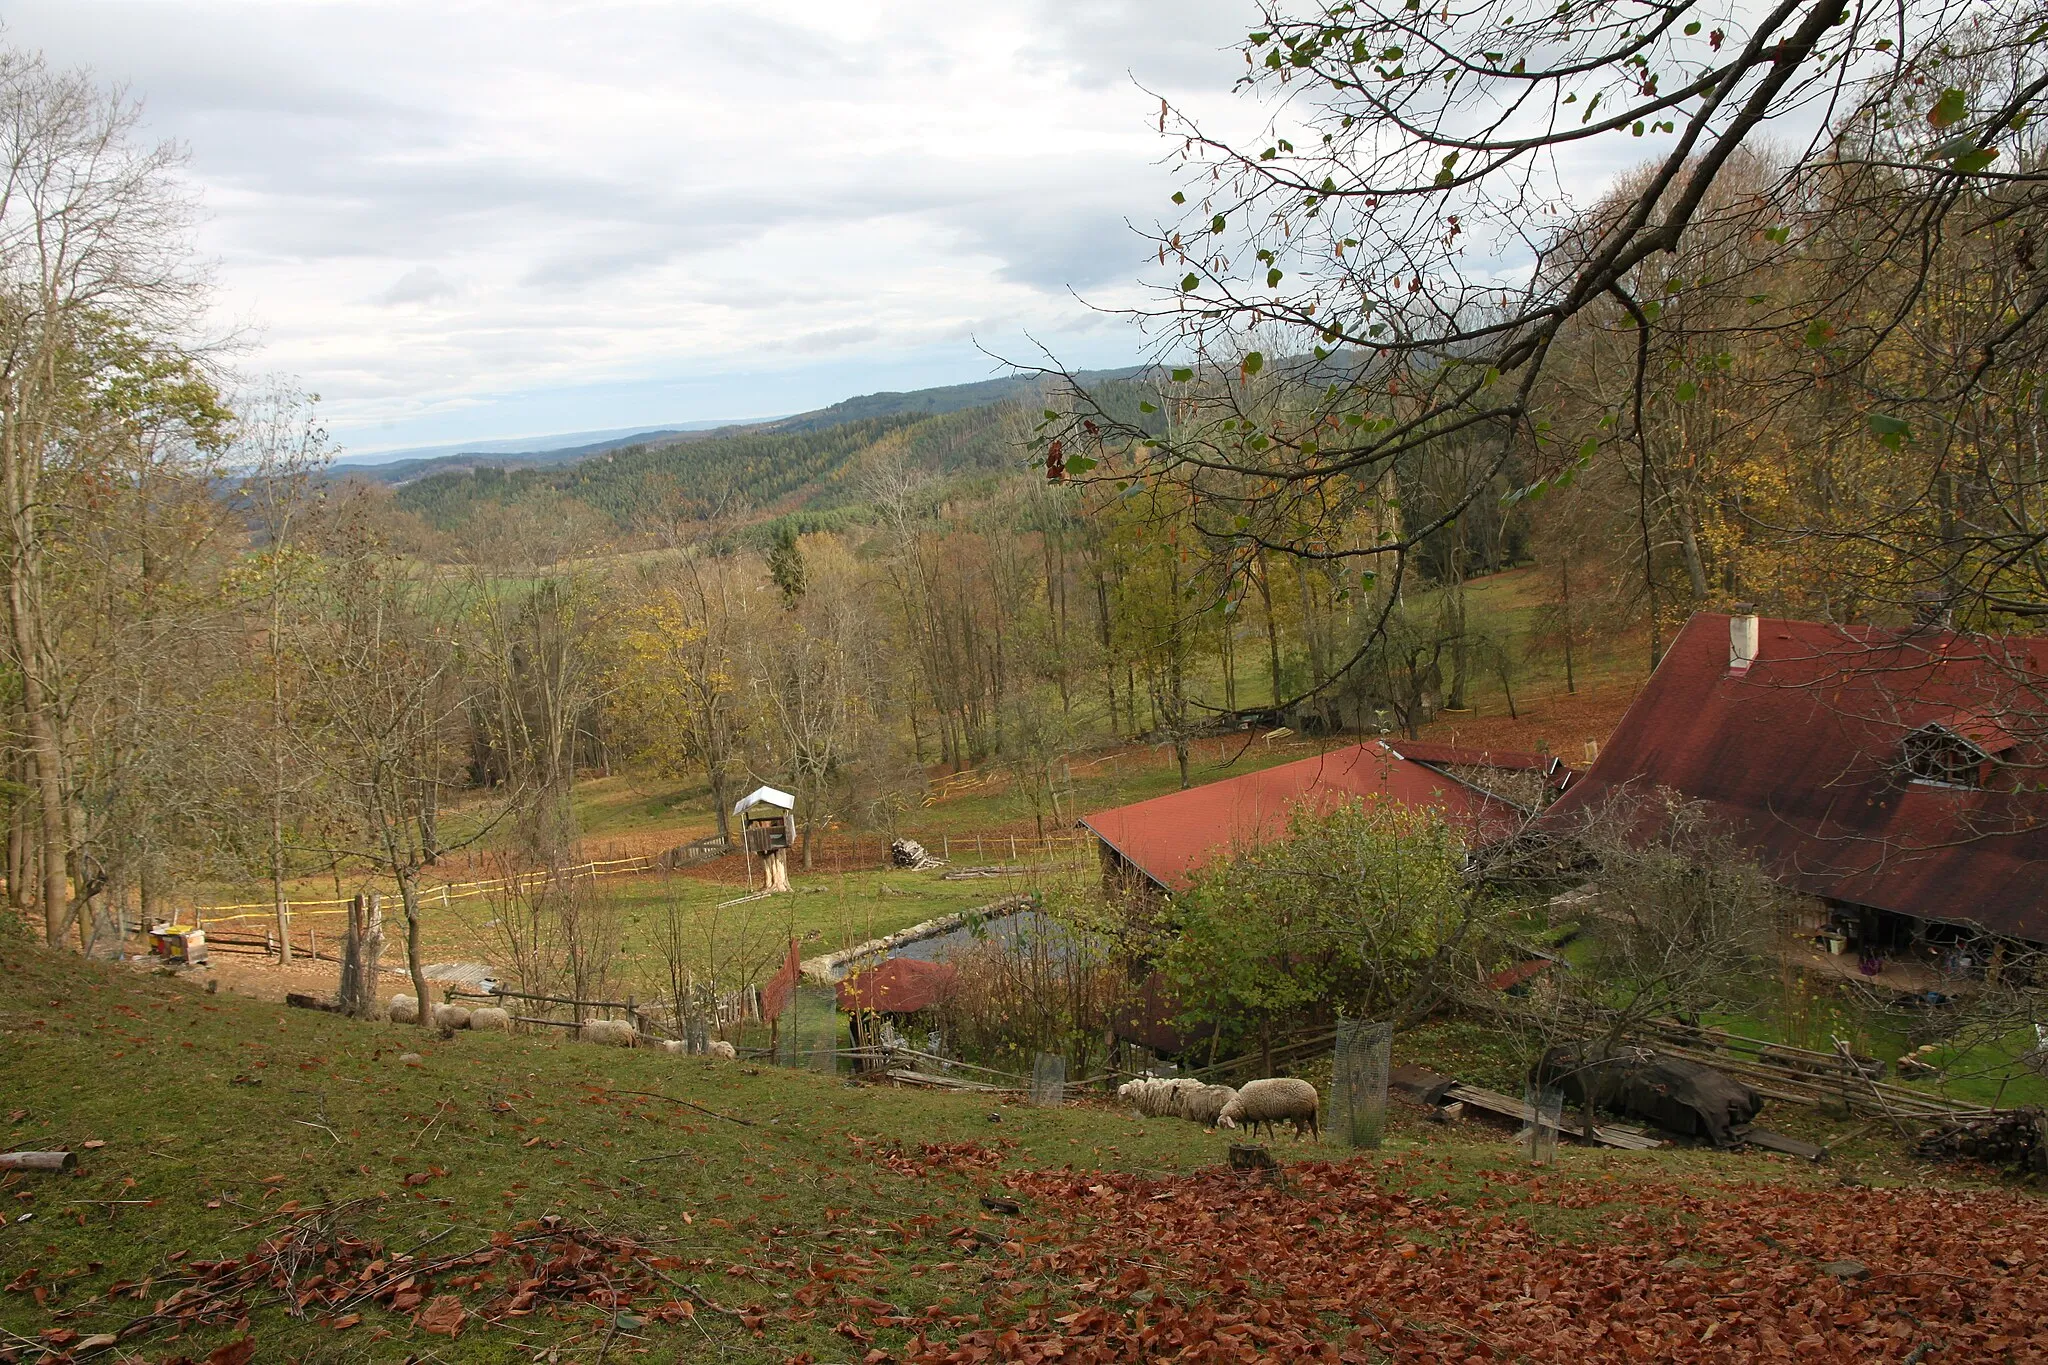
(403, 1009)
(1205, 1105)
(491, 1018)
(673, 1046)
(451, 1016)
(610, 1032)
(1157, 1098)
(1271, 1101)
(718, 1047)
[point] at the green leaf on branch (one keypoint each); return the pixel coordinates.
(1254, 362)
(1951, 107)
(1890, 431)
(1187, 285)
(1183, 376)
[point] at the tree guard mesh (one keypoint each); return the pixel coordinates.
(1049, 1080)
(1358, 1083)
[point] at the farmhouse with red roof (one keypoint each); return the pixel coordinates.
(1897, 774)
(1166, 840)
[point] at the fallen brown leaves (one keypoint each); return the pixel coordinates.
(315, 1270)
(1337, 1266)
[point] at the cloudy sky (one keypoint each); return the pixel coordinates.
(468, 219)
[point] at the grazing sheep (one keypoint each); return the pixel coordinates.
(451, 1016)
(1203, 1106)
(492, 1018)
(403, 1009)
(610, 1032)
(1147, 1095)
(718, 1047)
(1158, 1098)
(1272, 1101)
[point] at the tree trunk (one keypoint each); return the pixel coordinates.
(277, 770)
(409, 896)
(1272, 626)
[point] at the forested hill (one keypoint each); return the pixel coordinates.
(810, 463)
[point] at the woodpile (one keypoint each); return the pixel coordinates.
(911, 854)
(2015, 1138)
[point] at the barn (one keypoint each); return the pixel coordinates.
(1160, 844)
(1894, 775)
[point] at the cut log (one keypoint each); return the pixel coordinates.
(37, 1161)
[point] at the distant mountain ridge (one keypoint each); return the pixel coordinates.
(537, 454)
(806, 466)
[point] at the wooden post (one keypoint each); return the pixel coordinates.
(1013, 848)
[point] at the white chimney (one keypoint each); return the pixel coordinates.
(1742, 637)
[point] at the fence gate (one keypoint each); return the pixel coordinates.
(1358, 1082)
(1049, 1080)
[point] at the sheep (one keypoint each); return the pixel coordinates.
(451, 1016)
(1269, 1102)
(1157, 1098)
(1147, 1095)
(1204, 1105)
(718, 1047)
(403, 1009)
(491, 1018)
(610, 1032)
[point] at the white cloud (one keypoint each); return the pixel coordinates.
(421, 284)
(487, 210)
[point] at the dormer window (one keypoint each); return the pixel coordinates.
(1937, 754)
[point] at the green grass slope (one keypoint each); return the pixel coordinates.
(227, 1125)
(266, 1184)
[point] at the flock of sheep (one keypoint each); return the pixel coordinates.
(1269, 1102)
(403, 1009)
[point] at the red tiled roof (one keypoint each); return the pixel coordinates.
(1801, 754)
(902, 985)
(1460, 756)
(1168, 838)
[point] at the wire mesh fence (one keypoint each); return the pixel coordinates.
(1546, 1118)
(1358, 1082)
(1049, 1080)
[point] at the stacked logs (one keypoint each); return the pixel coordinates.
(2017, 1138)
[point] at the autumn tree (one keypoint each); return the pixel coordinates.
(94, 258)
(1405, 153)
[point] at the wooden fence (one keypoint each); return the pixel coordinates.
(833, 853)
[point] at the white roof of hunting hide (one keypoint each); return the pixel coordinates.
(764, 796)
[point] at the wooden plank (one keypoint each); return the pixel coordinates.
(1495, 1103)
(1419, 1085)
(1779, 1142)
